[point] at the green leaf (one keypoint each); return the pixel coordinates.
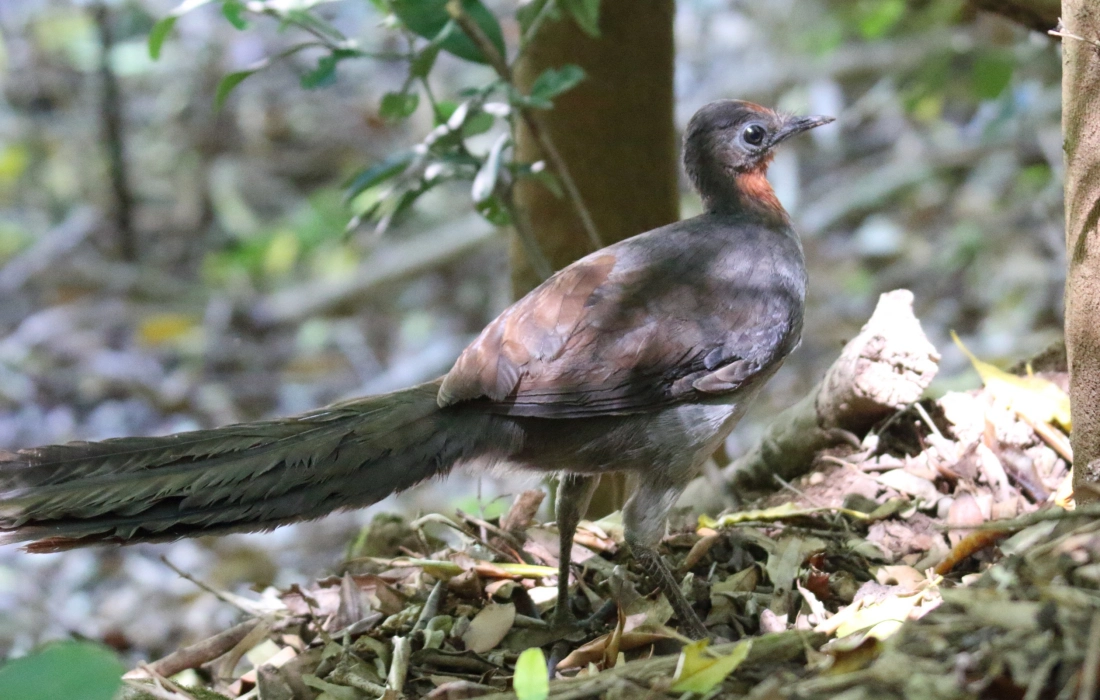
(698, 672)
(233, 10)
(398, 105)
(485, 182)
(311, 22)
(379, 172)
(532, 681)
(227, 83)
(586, 13)
(553, 82)
(477, 123)
(428, 18)
(325, 72)
(159, 33)
(444, 109)
(494, 212)
(422, 64)
(63, 670)
(879, 17)
(992, 72)
(163, 27)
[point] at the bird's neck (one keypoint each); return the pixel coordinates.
(744, 193)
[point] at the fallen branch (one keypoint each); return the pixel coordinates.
(887, 366)
(386, 266)
(197, 654)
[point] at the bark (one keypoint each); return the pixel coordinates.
(1081, 131)
(884, 368)
(616, 133)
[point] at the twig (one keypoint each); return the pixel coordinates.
(928, 420)
(1056, 440)
(1089, 512)
(798, 492)
(202, 652)
(161, 680)
(111, 123)
(151, 689)
(224, 668)
(539, 262)
(242, 604)
(508, 537)
(476, 35)
(1060, 32)
(536, 24)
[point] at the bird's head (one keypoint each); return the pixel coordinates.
(728, 146)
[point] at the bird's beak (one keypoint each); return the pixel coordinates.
(796, 125)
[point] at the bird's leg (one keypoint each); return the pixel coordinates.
(645, 518)
(658, 571)
(574, 494)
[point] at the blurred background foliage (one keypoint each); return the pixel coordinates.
(267, 267)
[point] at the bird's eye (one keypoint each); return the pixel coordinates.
(754, 134)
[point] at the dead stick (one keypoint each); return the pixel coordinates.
(202, 652)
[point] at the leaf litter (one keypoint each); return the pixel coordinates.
(934, 560)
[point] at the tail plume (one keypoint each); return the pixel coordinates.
(247, 477)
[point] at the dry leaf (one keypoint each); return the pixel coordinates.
(1035, 397)
(594, 651)
(488, 628)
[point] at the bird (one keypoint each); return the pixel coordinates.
(640, 358)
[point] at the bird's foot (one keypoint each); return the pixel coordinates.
(564, 619)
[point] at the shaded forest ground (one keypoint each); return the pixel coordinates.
(942, 177)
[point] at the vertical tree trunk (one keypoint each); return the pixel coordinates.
(1081, 133)
(616, 133)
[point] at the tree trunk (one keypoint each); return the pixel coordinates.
(615, 132)
(1081, 134)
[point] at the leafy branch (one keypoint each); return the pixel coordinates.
(468, 30)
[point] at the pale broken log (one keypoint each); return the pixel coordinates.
(886, 367)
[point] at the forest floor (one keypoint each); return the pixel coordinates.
(937, 559)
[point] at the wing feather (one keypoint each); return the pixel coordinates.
(670, 316)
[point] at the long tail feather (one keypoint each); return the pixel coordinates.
(247, 477)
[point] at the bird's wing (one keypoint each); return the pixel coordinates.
(633, 328)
